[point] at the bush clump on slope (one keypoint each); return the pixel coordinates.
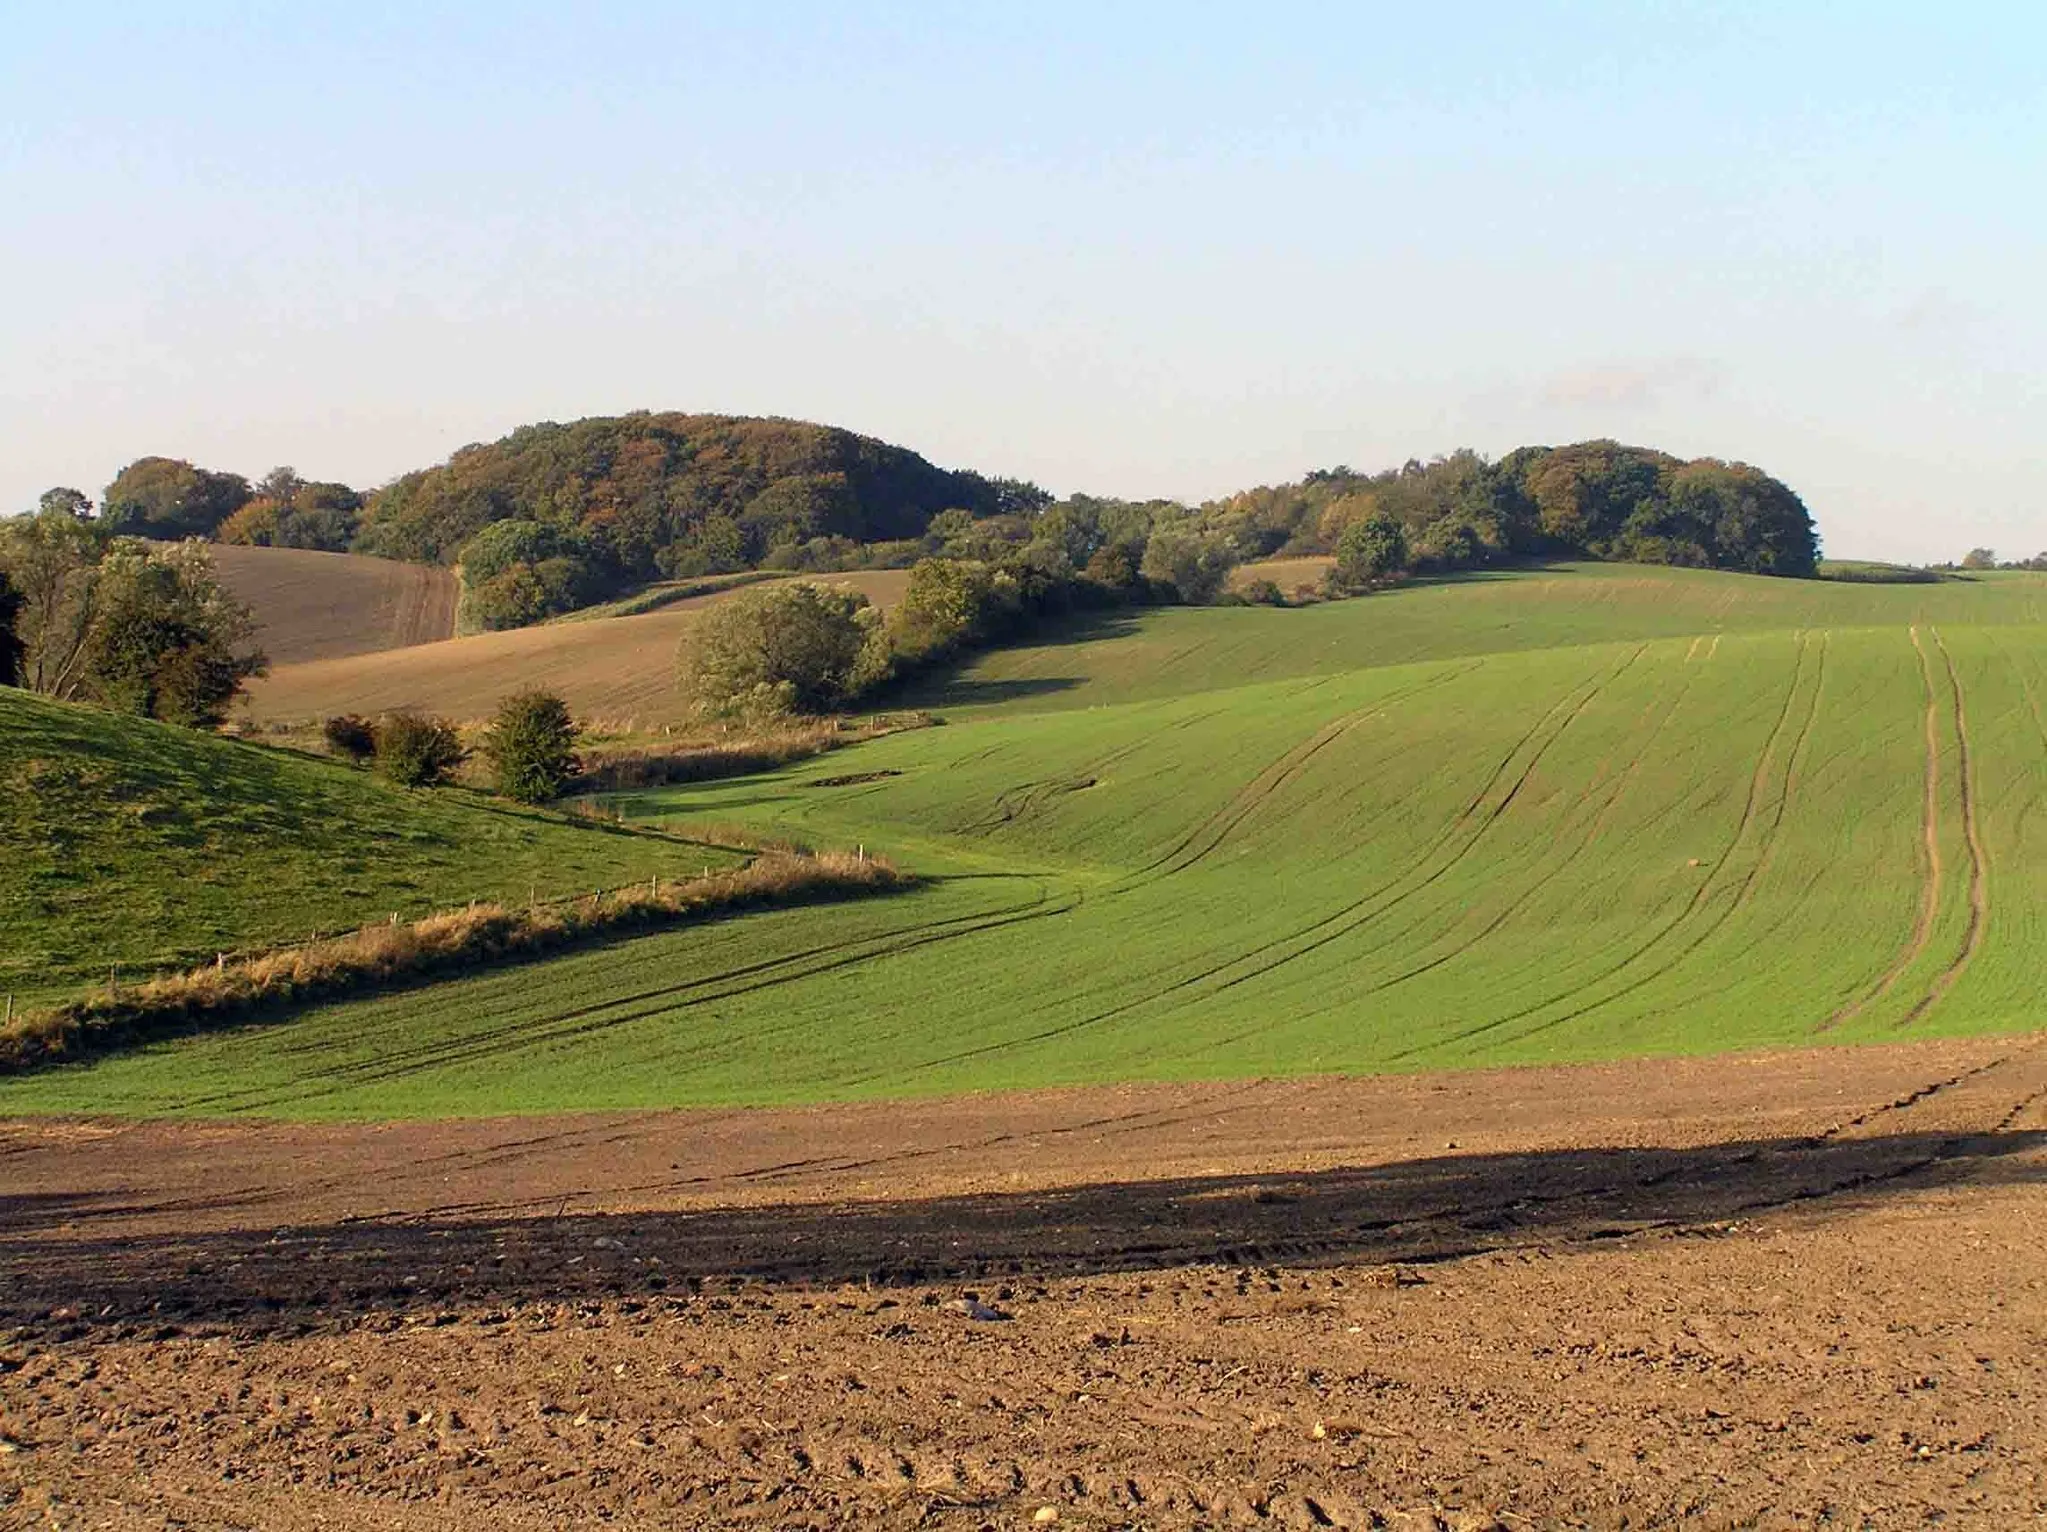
(786, 649)
(531, 747)
(416, 751)
(803, 648)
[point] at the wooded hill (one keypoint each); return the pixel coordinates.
(1596, 499)
(556, 517)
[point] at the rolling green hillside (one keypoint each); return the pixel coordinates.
(130, 845)
(1565, 815)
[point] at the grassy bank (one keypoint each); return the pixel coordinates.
(130, 847)
(389, 955)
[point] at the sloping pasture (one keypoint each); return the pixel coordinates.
(128, 847)
(1305, 858)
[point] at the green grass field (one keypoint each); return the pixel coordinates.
(1560, 815)
(131, 846)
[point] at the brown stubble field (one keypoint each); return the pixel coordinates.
(322, 606)
(350, 634)
(1794, 1289)
(619, 670)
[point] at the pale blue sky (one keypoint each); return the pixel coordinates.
(1134, 249)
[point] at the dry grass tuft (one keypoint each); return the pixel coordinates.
(380, 956)
(640, 763)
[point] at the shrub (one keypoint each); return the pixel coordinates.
(418, 752)
(949, 604)
(351, 736)
(531, 747)
(1370, 552)
(789, 648)
(1262, 593)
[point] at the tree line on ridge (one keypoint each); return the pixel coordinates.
(555, 517)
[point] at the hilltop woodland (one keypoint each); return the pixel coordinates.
(558, 517)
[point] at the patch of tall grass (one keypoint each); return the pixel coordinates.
(630, 765)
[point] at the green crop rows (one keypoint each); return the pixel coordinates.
(1571, 815)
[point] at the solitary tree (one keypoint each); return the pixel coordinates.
(1980, 558)
(531, 747)
(788, 648)
(169, 643)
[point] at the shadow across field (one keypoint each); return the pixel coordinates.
(954, 685)
(66, 1264)
(968, 691)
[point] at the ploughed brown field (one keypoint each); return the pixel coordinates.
(606, 668)
(324, 606)
(1794, 1289)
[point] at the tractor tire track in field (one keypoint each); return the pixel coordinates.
(666, 1000)
(1934, 877)
(1926, 1092)
(1603, 813)
(1808, 1173)
(1569, 707)
(1027, 798)
(1919, 1152)
(1316, 934)
(705, 989)
(1222, 1103)
(1930, 883)
(1751, 822)
(1462, 1228)
(1972, 836)
(1202, 841)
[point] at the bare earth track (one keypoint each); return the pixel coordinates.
(1766, 1290)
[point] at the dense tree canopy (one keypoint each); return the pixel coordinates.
(632, 498)
(167, 497)
(1596, 499)
(291, 512)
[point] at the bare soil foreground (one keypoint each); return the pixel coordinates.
(1789, 1290)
